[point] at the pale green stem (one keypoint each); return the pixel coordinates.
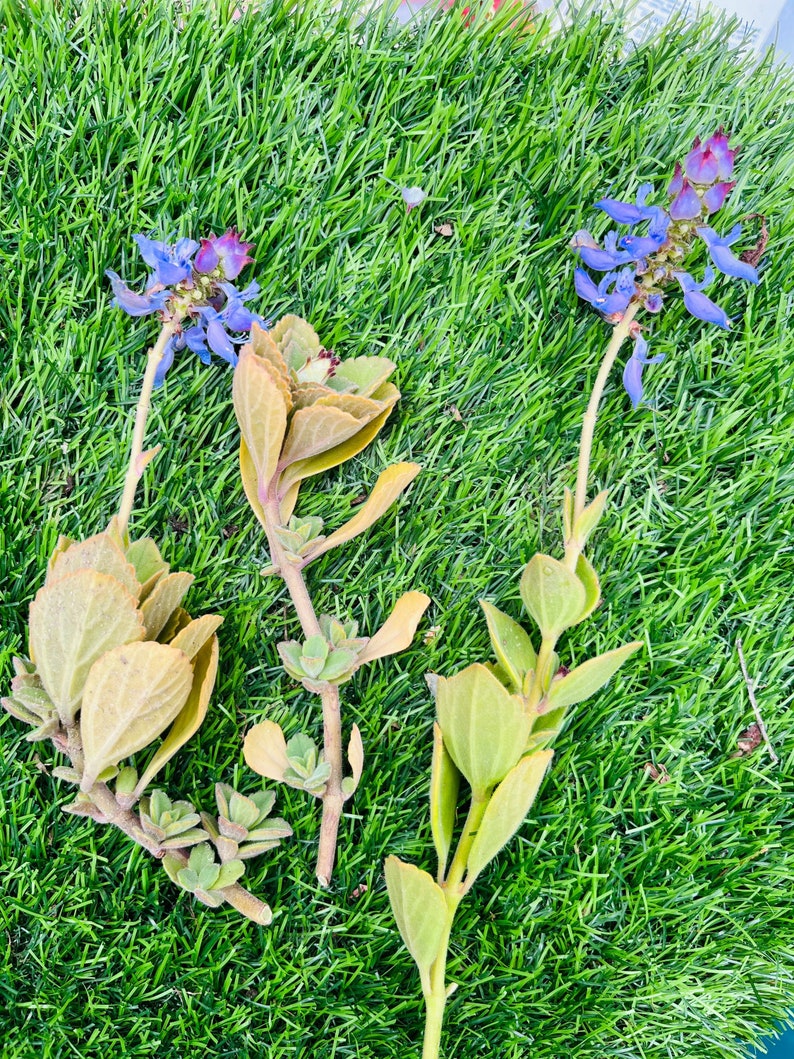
(619, 334)
(136, 464)
(333, 798)
(454, 891)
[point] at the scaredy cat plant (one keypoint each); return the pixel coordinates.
(303, 410)
(115, 659)
(496, 721)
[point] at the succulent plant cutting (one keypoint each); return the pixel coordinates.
(303, 410)
(115, 659)
(497, 720)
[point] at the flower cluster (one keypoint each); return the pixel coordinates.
(638, 267)
(191, 285)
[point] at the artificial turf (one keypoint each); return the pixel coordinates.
(630, 918)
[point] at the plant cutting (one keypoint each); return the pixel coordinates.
(496, 721)
(303, 410)
(120, 675)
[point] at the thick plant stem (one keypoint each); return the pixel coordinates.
(114, 813)
(137, 462)
(333, 798)
(454, 890)
(619, 335)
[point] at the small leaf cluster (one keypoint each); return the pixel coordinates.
(244, 827)
(172, 825)
(203, 876)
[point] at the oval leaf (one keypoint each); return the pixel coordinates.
(484, 727)
(587, 678)
(262, 414)
(193, 637)
(420, 910)
(163, 600)
(265, 750)
(511, 644)
(296, 472)
(73, 622)
(386, 490)
(399, 628)
(510, 803)
(444, 786)
(592, 588)
(553, 595)
(132, 693)
(100, 553)
(192, 714)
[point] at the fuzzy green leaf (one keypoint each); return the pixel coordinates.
(484, 727)
(420, 910)
(509, 804)
(554, 596)
(511, 643)
(587, 678)
(444, 785)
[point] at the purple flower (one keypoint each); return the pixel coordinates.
(697, 303)
(687, 204)
(171, 264)
(227, 252)
(712, 160)
(640, 246)
(718, 145)
(625, 212)
(675, 185)
(723, 258)
(135, 304)
(599, 296)
(714, 198)
(594, 257)
(632, 373)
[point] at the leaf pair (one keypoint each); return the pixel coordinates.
(296, 762)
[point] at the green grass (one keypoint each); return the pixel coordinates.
(629, 918)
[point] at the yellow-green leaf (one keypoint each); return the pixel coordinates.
(485, 728)
(316, 429)
(163, 600)
(296, 472)
(296, 338)
(98, 553)
(190, 717)
(261, 411)
(355, 757)
(511, 643)
(398, 630)
(149, 564)
(587, 678)
(420, 911)
(193, 637)
(444, 786)
(592, 588)
(367, 374)
(265, 750)
(263, 345)
(388, 487)
(131, 694)
(72, 623)
(250, 482)
(553, 595)
(509, 805)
